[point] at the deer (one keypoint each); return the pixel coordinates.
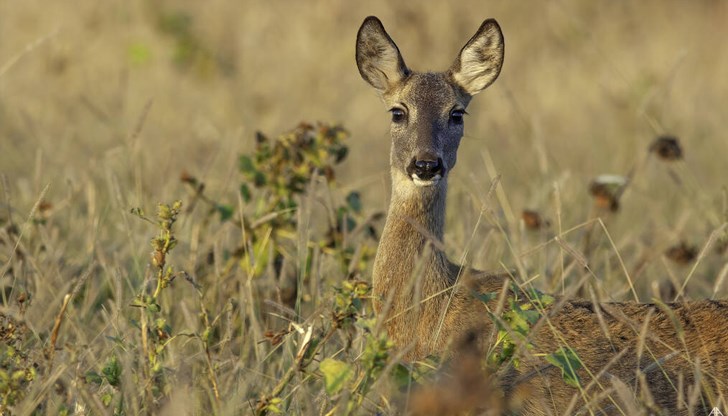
(671, 358)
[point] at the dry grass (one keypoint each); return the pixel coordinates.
(103, 106)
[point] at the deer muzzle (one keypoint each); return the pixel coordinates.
(426, 170)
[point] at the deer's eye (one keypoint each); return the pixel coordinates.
(456, 116)
(398, 115)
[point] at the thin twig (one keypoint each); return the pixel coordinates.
(292, 370)
(25, 227)
(28, 49)
(61, 314)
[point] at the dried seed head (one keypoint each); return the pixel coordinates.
(158, 258)
(682, 253)
(260, 138)
(606, 190)
(185, 177)
(533, 220)
(162, 334)
(276, 337)
(164, 212)
(329, 173)
(157, 243)
(44, 206)
(667, 148)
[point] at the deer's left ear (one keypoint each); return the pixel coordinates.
(480, 60)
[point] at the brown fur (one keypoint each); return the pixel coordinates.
(672, 357)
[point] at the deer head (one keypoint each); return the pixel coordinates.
(427, 108)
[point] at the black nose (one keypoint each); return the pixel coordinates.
(425, 168)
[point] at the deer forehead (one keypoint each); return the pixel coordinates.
(428, 93)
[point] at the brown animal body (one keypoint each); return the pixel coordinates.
(668, 358)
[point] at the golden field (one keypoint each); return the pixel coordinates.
(104, 106)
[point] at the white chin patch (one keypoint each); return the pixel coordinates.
(426, 182)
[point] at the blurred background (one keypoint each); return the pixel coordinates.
(108, 102)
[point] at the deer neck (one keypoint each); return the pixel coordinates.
(410, 263)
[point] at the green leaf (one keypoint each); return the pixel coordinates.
(172, 243)
(137, 211)
(259, 179)
(531, 316)
(245, 192)
(246, 164)
(341, 152)
(138, 53)
(567, 360)
(106, 398)
(539, 298)
(353, 200)
(402, 376)
(517, 321)
(520, 318)
(486, 297)
(272, 406)
(336, 374)
(546, 300)
(226, 211)
(93, 377)
(350, 224)
(112, 371)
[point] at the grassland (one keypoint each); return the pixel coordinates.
(104, 106)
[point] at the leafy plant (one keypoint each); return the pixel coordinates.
(514, 330)
(568, 362)
(514, 325)
(276, 176)
(336, 374)
(17, 369)
(347, 314)
(156, 333)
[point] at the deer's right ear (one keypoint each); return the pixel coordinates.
(377, 56)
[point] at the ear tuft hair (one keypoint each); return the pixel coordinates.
(481, 59)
